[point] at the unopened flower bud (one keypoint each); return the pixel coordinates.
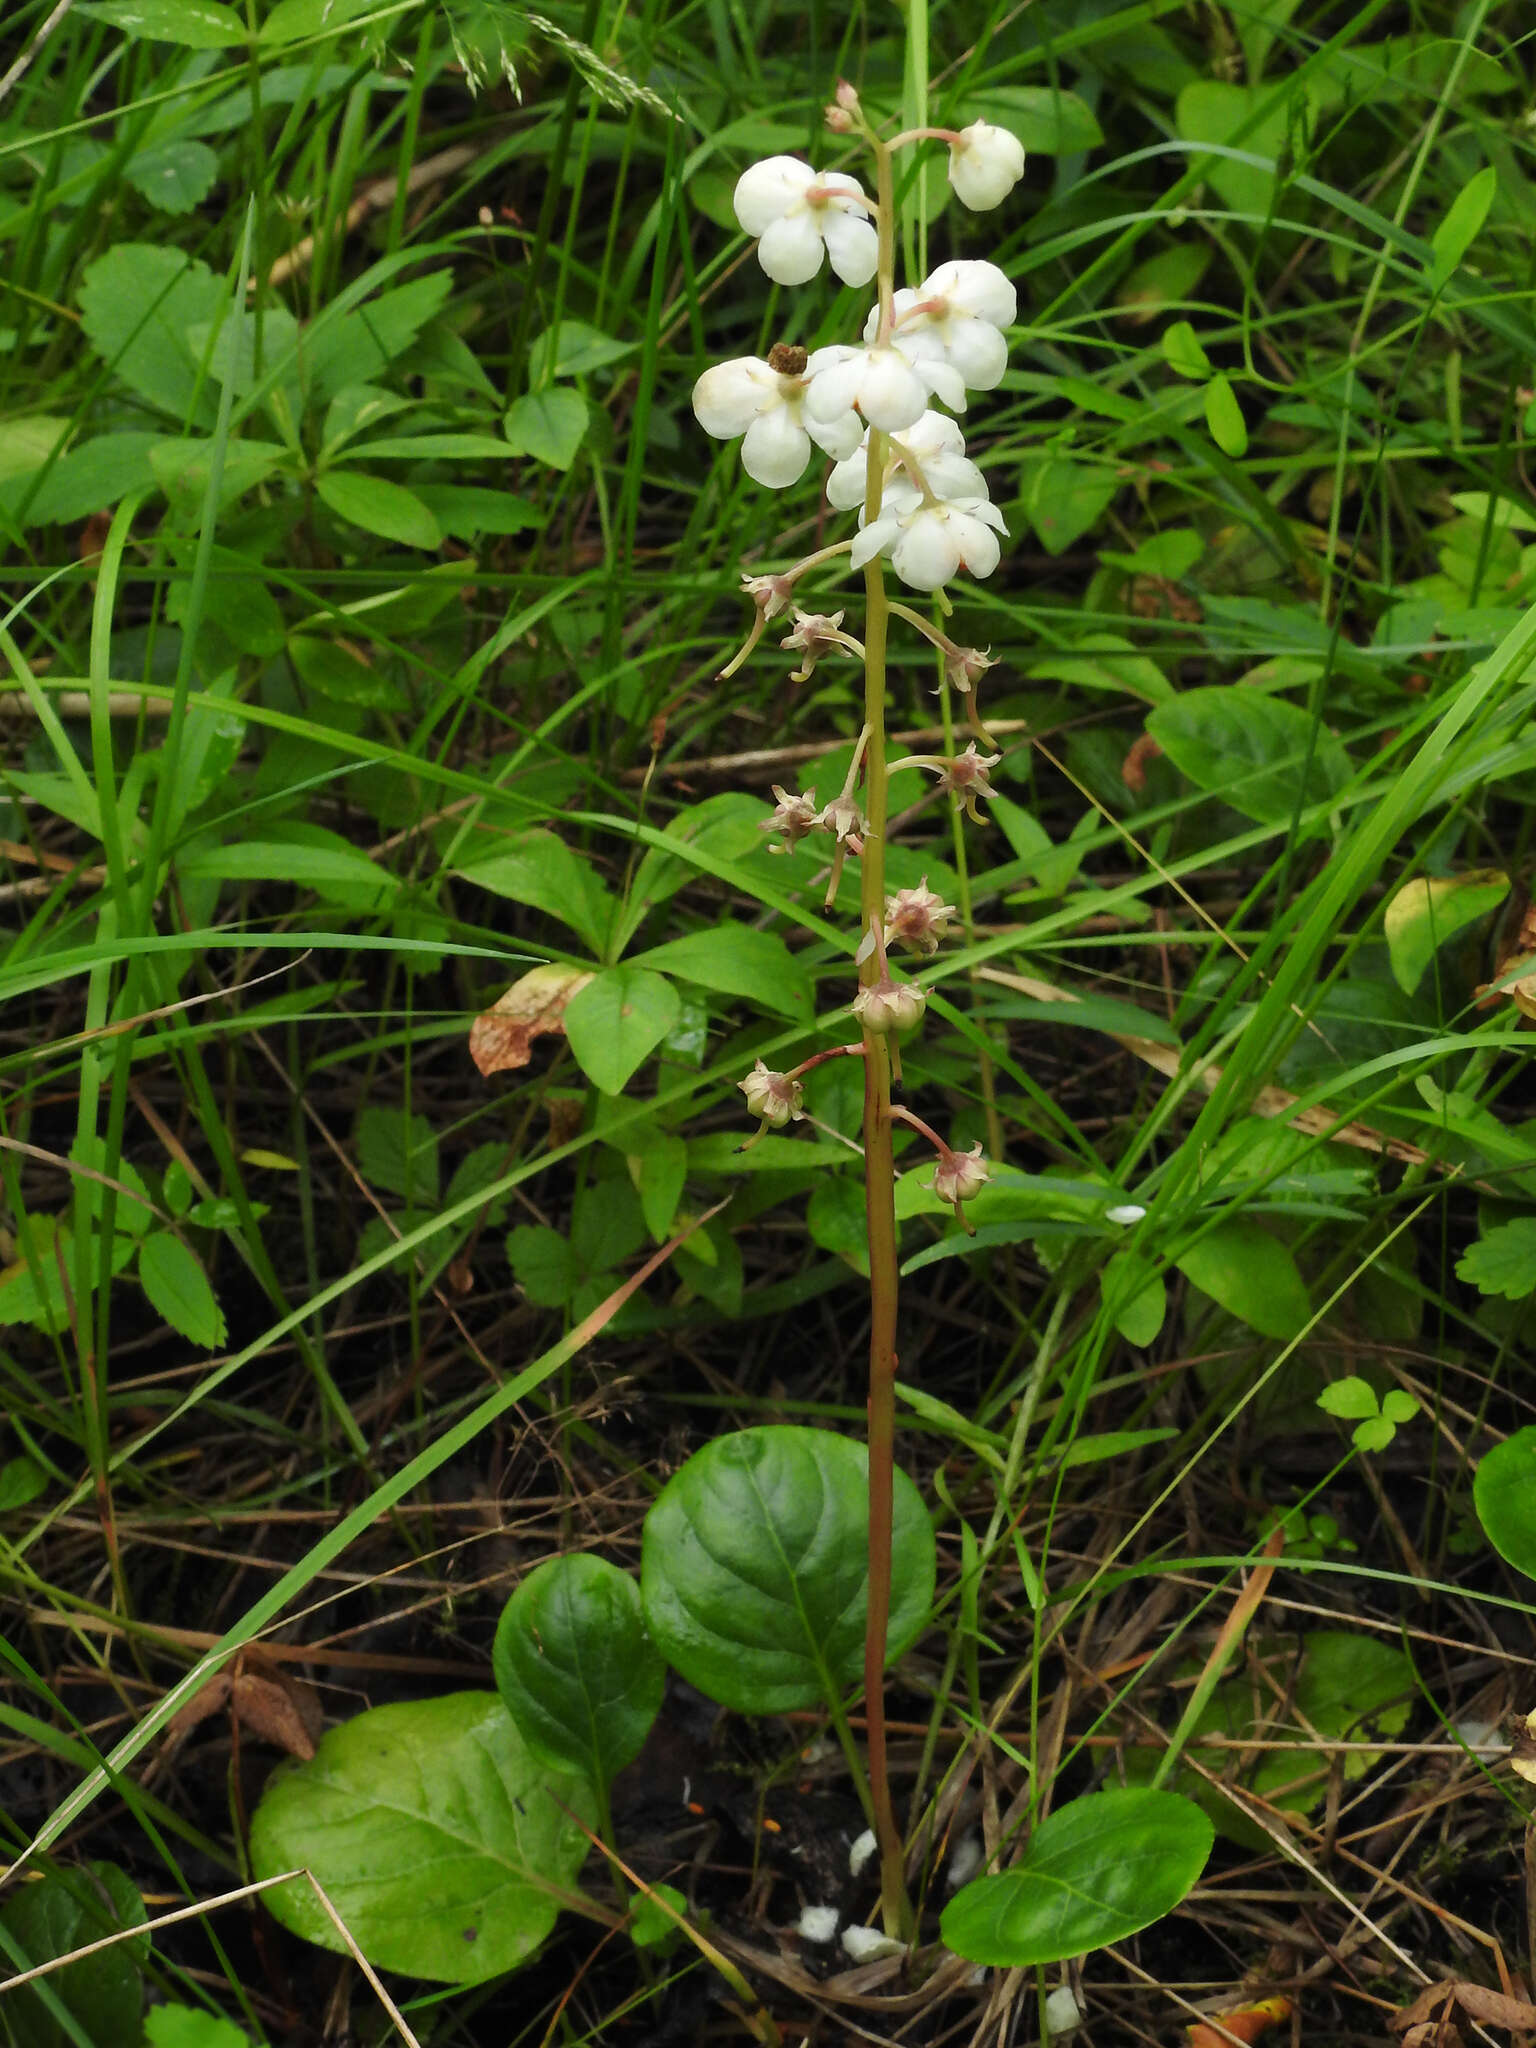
(776, 1098)
(846, 97)
(985, 163)
(917, 918)
(839, 120)
(889, 1006)
(958, 1176)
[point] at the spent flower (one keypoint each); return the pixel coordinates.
(774, 1098)
(918, 918)
(816, 635)
(958, 1176)
(793, 817)
(966, 776)
(887, 1005)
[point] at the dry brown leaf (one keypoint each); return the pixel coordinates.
(273, 1704)
(1432, 2008)
(209, 1698)
(532, 1007)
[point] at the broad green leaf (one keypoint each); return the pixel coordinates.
(1251, 1274)
(616, 1021)
(104, 1993)
(1224, 417)
(21, 1481)
(355, 345)
(658, 1166)
(336, 671)
(1095, 1871)
(178, 1289)
(195, 24)
(1135, 1295)
(538, 868)
(1260, 26)
(1210, 111)
(607, 1224)
(175, 176)
(650, 1926)
(137, 303)
(183, 470)
(575, 1668)
(753, 1565)
(549, 425)
(1429, 910)
(1047, 122)
(26, 444)
(428, 448)
(318, 860)
(1104, 661)
(468, 510)
(397, 1154)
(1263, 756)
(295, 21)
(1462, 225)
(835, 1219)
(1065, 498)
(96, 474)
(1504, 1495)
(380, 507)
(739, 960)
(444, 1786)
(1502, 1260)
(572, 349)
(1167, 279)
(189, 2026)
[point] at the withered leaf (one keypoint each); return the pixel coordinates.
(532, 1007)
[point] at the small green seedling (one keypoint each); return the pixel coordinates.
(1376, 1421)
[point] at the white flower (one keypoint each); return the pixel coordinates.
(766, 404)
(937, 447)
(890, 389)
(796, 213)
(1125, 1212)
(956, 316)
(929, 539)
(985, 164)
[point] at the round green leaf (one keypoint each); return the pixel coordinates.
(549, 425)
(1430, 910)
(575, 1668)
(1504, 1494)
(754, 1566)
(1096, 1871)
(1264, 756)
(445, 1786)
(102, 1993)
(1251, 1274)
(616, 1021)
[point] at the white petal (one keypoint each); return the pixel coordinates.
(986, 166)
(847, 484)
(977, 288)
(945, 382)
(791, 250)
(839, 181)
(935, 434)
(853, 246)
(729, 397)
(979, 352)
(953, 476)
(873, 540)
(890, 394)
(834, 375)
(776, 449)
(839, 438)
(767, 191)
(927, 553)
(977, 544)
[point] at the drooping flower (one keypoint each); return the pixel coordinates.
(964, 667)
(966, 776)
(793, 817)
(797, 214)
(958, 1176)
(931, 451)
(765, 402)
(918, 918)
(929, 539)
(775, 1098)
(889, 1005)
(816, 635)
(985, 163)
(887, 386)
(957, 316)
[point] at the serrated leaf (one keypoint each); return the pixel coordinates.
(1503, 1260)
(1095, 1871)
(544, 1264)
(397, 1154)
(575, 1667)
(445, 1786)
(137, 303)
(754, 1563)
(615, 1022)
(379, 507)
(178, 1289)
(549, 425)
(175, 176)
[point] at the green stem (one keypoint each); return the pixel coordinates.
(879, 1162)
